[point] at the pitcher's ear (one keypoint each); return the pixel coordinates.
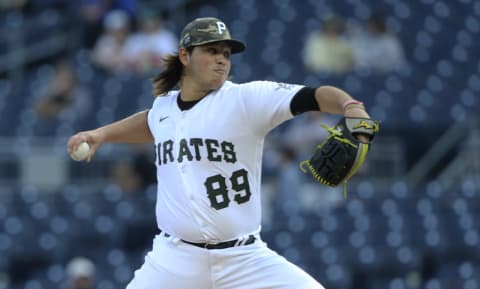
(183, 55)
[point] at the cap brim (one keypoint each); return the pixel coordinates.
(236, 45)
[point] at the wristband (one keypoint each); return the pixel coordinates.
(351, 101)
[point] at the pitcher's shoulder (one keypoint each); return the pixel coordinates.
(244, 85)
(166, 97)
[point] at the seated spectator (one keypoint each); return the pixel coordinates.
(288, 182)
(80, 273)
(137, 173)
(376, 48)
(123, 175)
(326, 49)
(6, 6)
(108, 52)
(143, 164)
(93, 13)
(63, 97)
(145, 49)
(306, 132)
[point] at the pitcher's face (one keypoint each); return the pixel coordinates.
(209, 65)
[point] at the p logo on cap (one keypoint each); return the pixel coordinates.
(208, 30)
(221, 27)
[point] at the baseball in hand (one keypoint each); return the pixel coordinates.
(81, 153)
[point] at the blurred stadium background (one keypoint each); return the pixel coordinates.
(412, 217)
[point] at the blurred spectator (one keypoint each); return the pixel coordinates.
(146, 48)
(306, 131)
(63, 97)
(12, 5)
(4, 280)
(108, 50)
(376, 48)
(123, 175)
(136, 174)
(93, 12)
(288, 183)
(326, 49)
(80, 273)
(144, 165)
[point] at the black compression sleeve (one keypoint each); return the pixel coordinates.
(303, 101)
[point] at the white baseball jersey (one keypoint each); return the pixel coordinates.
(209, 158)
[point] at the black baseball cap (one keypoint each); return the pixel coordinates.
(208, 30)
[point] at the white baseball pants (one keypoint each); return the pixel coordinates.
(174, 264)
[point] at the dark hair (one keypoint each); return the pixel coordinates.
(170, 76)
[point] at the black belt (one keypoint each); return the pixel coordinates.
(222, 245)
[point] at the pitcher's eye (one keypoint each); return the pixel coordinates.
(227, 54)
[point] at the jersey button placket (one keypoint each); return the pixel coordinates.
(180, 134)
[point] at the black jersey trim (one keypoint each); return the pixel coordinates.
(186, 105)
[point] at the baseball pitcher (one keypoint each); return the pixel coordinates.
(208, 134)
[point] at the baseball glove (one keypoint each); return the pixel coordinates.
(339, 157)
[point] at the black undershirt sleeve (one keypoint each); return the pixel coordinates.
(303, 101)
